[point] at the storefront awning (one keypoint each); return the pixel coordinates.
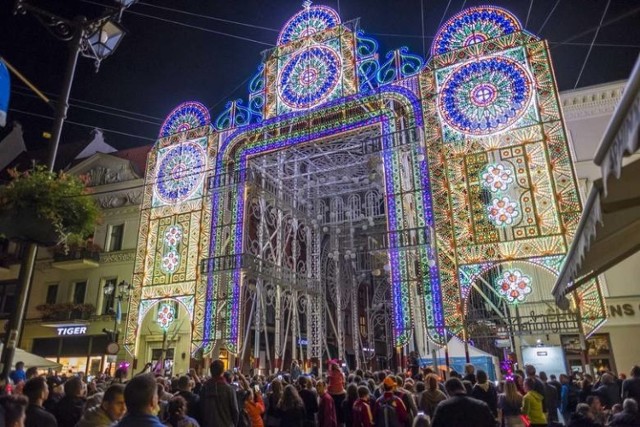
(609, 230)
(33, 360)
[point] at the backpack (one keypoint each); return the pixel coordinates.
(386, 414)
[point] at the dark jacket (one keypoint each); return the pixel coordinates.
(552, 399)
(609, 394)
(579, 420)
(69, 411)
(488, 394)
(625, 419)
(218, 404)
(37, 416)
(631, 388)
(142, 420)
(310, 400)
(193, 403)
(293, 417)
(463, 411)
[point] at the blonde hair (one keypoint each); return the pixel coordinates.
(511, 394)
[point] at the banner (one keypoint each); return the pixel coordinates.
(5, 86)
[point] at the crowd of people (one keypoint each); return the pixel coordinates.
(337, 398)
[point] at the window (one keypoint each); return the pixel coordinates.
(79, 291)
(52, 294)
(115, 237)
(108, 300)
(7, 299)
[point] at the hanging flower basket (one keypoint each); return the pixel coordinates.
(46, 208)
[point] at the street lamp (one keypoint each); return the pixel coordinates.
(123, 291)
(95, 39)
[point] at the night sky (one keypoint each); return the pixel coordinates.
(160, 63)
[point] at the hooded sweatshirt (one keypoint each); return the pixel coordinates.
(532, 407)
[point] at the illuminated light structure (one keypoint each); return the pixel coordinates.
(353, 189)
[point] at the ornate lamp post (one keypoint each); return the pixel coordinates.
(95, 39)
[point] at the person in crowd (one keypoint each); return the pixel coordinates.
(37, 391)
(272, 414)
(406, 396)
(291, 408)
(309, 398)
(177, 413)
(141, 399)
(218, 402)
(295, 370)
(32, 372)
(362, 415)
(551, 399)
(532, 404)
(583, 417)
(347, 404)
(431, 396)
(485, 391)
(389, 409)
(629, 416)
(421, 420)
(586, 388)
(631, 386)
(185, 387)
(413, 364)
(509, 406)
(600, 415)
(460, 410)
(69, 410)
(469, 373)
(608, 391)
(568, 397)
(254, 406)
(336, 382)
(553, 380)
(327, 416)
(12, 410)
(18, 375)
(111, 409)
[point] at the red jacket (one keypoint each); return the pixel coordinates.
(362, 415)
(327, 412)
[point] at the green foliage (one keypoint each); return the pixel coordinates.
(58, 199)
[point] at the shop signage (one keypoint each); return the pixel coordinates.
(623, 311)
(73, 330)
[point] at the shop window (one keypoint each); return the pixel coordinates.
(598, 348)
(52, 294)
(7, 299)
(108, 300)
(99, 345)
(46, 347)
(74, 346)
(114, 238)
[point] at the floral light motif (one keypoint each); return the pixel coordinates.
(497, 178)
(310, 20)
(514, 286)
(173, 235)
(502, 211)
(180, 173)
(171, 258)
(188, 115)
(166, 316)
(170, 262)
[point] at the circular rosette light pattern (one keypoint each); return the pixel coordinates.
(180, 173)
(474, 25)
(514, 286)
(189, 115)
(170, 262)
(502, 211)
(485, 96)
(497, 178)
(309, 77)
(308, 21)
(166, 316)
(173, 235)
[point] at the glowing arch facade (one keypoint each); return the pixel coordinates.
(345, 170)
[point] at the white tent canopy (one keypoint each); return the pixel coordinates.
(456, 349)
(32, 360)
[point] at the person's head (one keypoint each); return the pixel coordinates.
(420, 386)
(184, 383)
(20, 366)
(421, 420)
(552, 377)
(31, 372)
(511, 392)
(635, 371)
(594, 403)
(469, 369)
(113, 402)
(36, 390)
(290, 399)
(630, 405)
(482, 377)
(363, 392)
(454, 386)
(320, 387)
(141, 395)
(302, 382)
(276, 388)
(389, 383)
(564, 379)
(607, 378)
(74, 387)
(432, 382)
(352, 391)
(530, 370)
(584, 410)
(177, 408)
(616, 409)
(529, 384)
(216, 368)
(543, 376)
(13, 407)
